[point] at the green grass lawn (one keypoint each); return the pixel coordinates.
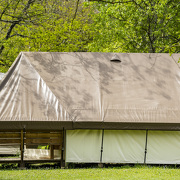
(124, 172)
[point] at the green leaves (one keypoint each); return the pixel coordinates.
(140, 26)
(135, 26)
(45, 26)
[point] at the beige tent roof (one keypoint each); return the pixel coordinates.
(1, 76)
(86, 90)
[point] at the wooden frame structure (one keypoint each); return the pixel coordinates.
(54, 139)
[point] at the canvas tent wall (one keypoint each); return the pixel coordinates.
(123, 146)
(87, 92)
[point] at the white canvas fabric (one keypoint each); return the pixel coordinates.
(163, 147)
(83, 146)
(26, 97)
(124, 146)
(118, 146)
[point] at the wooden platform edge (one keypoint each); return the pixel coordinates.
(29, 161)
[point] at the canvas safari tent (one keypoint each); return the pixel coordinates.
(111, 108)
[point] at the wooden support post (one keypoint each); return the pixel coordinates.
(145, 152)
(51, 151)
(22, 164)
(62, 150)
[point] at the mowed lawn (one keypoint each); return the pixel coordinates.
(126, 172)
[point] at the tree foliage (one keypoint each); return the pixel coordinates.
(137, 26)
(91, 25)
(41, 25)
(12, 15)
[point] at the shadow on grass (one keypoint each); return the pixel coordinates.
(86, 166)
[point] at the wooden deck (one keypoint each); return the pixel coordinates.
(28, 161)
(53, 139)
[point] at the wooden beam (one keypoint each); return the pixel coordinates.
(33, 161)
(10, 130)
(22, 149)
(42, 141)
(62, 150)
(43, 135)
(42, 131)
(51, 152)
(10, 141)
(10, 135)
(57, 147)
